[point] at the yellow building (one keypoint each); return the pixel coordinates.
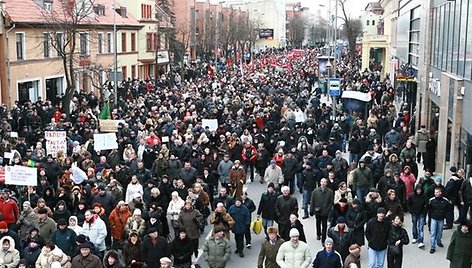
(36, 41)
(148, 39)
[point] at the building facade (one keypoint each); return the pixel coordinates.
(37, 41)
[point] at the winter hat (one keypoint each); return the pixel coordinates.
(27, 203)
(3, 225)
(271, 185)
(329, 240)
(85, 245)
(165, 260)
(357, 201)
(381, 210)
(272, 230)
(61, 221)
(341, 219)
(137, 211)
(453, 169)
(81, 238)
(294, 232)
(437, 179)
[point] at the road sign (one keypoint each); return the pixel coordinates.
(334, 88)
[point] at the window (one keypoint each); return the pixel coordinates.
(46, 45)
(47, 6)
(20, 46)
(59, 44)
(109, 43)
(84, 45)
(123, 42)
(367, 22)
(133, 42)
(149, 42)
(133, 72)
(100, 43)
(124, 70)
(146, 11)
(373, 22)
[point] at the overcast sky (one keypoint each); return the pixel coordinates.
(356, 7)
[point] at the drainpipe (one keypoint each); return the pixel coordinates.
(8, 65)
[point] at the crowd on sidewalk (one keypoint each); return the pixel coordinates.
(147, 202)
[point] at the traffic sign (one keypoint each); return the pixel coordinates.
(334, 86)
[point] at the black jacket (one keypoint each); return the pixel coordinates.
(438, 207)
(151, 254)
(310, 178)
(267, 206)
(417, 203)
(182, 251)
(398, 233)
(377, 233)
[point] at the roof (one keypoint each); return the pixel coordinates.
(374, 6)
(32, 11)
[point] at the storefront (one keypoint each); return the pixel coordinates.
(29, 90)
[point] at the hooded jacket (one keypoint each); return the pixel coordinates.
(11, 257)
(118, 263)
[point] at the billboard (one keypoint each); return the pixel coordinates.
(266, 34)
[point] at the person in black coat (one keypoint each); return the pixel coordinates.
(417, 205)
(377, 232)
(339, 210)
(182, 250)
(355, 220)
(266, 208)
(249, 204)
(396, 239)
(153, 248)
(31, 252)
(295, 223)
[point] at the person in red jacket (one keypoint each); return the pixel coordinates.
(249, 156)
(9, 210)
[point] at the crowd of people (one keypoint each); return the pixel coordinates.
(147, 203)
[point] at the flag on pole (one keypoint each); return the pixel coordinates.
(105, 113)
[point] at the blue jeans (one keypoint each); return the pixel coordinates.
(436, 232)
(267, 223)
(376, 258)
(306, 200)
(361, 193)
(418, 227)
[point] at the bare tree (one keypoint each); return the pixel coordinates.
(66, 26)
(296, 30)
(352, 28)
(317, 33)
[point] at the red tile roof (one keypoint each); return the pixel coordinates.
(30, 11)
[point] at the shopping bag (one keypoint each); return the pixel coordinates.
(256, 226)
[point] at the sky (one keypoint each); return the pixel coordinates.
(356, 7)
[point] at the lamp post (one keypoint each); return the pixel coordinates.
(115, 56)
(329, 66)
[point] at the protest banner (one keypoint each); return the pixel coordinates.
(105, 141)
(55, 141)
(108, 125)
(20, 175)
(212, 124)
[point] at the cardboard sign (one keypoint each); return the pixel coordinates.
(14, 134)
(212, 124)
(105, 141)
(19, 175)
(55, 142)
(109, 125)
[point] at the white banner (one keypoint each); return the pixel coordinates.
(19, 175)
(55, 142)
(212, 124)
(105, 141)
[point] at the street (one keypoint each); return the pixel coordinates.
(412, 255)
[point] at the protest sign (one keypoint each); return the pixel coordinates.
(108, 125)
(212, 124)
(105, 141)
(20, 175)
(55, 141)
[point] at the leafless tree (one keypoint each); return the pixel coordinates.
(352, 28)
(65, 23)
(317, 33)
(296, 30)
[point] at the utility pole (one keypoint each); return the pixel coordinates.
(115, 57)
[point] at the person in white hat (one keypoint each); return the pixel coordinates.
(294, 253)
(165, 262)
